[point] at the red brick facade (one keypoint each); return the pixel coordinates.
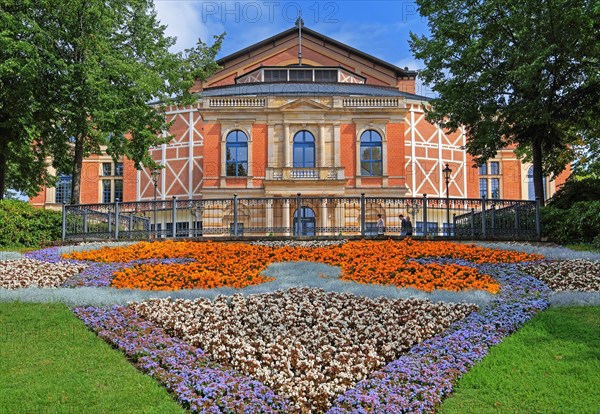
(414, 151)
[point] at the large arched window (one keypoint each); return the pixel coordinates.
(236, 148)
(304, 150)
(371, 153)
(530, 185)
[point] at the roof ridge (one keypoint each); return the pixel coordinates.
(396, 69)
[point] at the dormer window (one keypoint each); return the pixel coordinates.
(301, 75)
(326, 76)
(275, 75)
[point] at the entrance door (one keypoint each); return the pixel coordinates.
(305, 222)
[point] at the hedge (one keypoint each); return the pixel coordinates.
(578, 224)
(22, 225)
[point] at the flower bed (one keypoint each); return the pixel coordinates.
(22, 273)
(239, 265)
(413, 383)
(306, 344)
(418, 380)
(199, 384)
(49, 255)
(567, 275)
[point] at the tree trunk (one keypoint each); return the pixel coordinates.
(77, 168)
(538, 177)
(3, 162)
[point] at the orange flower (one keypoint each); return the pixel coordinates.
(238, 265)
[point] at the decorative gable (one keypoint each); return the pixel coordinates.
(304, 104)
(317, 51)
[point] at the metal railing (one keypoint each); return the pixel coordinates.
(302, 216)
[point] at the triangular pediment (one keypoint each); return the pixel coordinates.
(304, 104)
(317, 39)
(282, 50)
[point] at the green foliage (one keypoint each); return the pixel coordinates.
(24, 99)
(572, 191)
(94, 69)
(52, 364)
(26, 226)
(520, 72)
(587, 164)
(539, 369)
(578, 224)
(200, 60)
(596, 242)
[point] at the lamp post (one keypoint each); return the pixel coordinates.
(155, 173)
(447, 172)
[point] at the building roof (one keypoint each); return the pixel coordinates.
(307, 89)
(397, 71)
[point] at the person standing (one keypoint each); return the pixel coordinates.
(380, 225)
(402, 225)
(408, 226)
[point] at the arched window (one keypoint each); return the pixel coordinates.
(236, 148)
(371, 153)
(531, 186)
(304, 150)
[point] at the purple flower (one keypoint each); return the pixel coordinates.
(199, 384)
(419, 380)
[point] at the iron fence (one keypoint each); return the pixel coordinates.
(302, 216)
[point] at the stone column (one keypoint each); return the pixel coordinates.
(286, 146)
(270, 145)
(269, 206)
(339, 210)
(322, 161)
(324, 216)
(286, 215)
(336, 146)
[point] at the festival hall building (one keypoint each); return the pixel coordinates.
(300, 112)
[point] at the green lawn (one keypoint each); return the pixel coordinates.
(50, 363)
(583, 248)
(551, 365)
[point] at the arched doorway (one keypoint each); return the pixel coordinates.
(305, 222)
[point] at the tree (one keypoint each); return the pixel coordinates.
(588, 162)
(24, 99)
(110, 60)
(522, 72)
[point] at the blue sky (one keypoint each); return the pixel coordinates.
(380, 28)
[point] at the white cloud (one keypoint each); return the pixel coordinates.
(184, 21)
(410, 62)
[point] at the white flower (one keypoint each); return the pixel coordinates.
(307, 344)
